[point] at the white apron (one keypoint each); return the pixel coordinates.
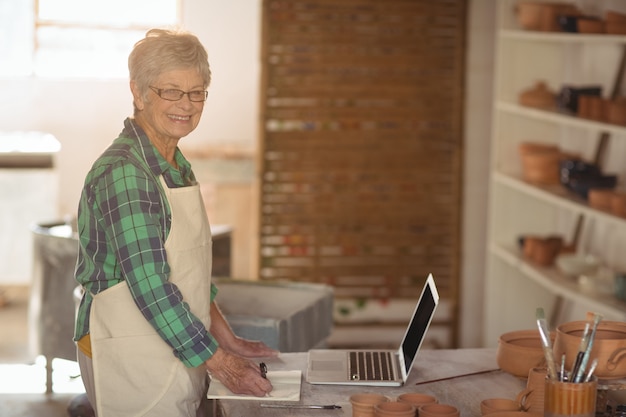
(135, 371)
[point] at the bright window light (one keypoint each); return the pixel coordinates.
(76, 38)
(121, 13)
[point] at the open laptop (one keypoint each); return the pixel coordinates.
(390, 367)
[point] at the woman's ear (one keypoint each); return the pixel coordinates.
(137, 96)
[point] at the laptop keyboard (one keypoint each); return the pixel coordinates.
(371, 366)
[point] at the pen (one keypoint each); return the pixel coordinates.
(302, 406)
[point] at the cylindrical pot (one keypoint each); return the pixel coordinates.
(609, 346)
(417, 399)
(394, 409)
(438, 410)
(363, 404)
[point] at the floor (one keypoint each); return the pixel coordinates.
(22, 376)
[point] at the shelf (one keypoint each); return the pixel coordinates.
(557, 117)
(526, 35)
(559, 284)
(555, 194)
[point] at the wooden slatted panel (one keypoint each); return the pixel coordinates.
(361, 144)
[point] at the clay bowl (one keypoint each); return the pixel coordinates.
(539, 96)
(593, 107)
(492, 405)
(617, 109)
(609, 346)
(615, 17)
(364, 403)
(542, 250)
(520, 351)
(514, 414)
(529, 15)
(618, 203)
(613, 28)
(615, 22)
(542, 16)
(438, 410)
(541, 167)
(589, 25)
(600, 198)
(417, 398)
(526, 147)
(394, 409)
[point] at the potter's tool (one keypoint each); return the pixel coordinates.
(303, 406)
(456, 376)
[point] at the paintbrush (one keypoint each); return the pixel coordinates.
(546, 343)
(584, 341)
(592, 368)
(583, 364)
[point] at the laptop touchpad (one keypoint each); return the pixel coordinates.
(322, 365)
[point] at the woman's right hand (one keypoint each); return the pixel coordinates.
(239, 375)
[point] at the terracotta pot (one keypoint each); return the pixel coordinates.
(363, 404)
(538, 96)
(586, 25)
(530, 147)
(541, 168)
(438, 410)
(520, 351)
(592, 107)
(615, 23)
(614, 17)
(531, 398)
(394, 409)
(542, 16)
(491, 405)
(618, 203)
(600, 198)
(615, 28)
(617, 111)
(542, 250)
(609, 346)
(417, 399)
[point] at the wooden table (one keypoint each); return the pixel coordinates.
(460, 377)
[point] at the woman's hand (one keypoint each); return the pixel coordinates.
(239, 375)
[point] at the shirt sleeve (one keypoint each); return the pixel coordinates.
(132, 215)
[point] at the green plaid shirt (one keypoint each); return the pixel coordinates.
(123, 221)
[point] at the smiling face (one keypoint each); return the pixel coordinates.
(165, 122)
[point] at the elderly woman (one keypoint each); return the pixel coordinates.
(147, 327)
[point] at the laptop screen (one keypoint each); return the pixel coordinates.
(416, 332)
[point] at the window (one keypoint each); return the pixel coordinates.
(76, 38)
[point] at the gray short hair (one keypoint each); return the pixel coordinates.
(164, 50)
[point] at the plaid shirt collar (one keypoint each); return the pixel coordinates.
(157, 163)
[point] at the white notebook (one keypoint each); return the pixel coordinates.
(286, 388)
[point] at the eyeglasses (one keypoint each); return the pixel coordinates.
(172, 94)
